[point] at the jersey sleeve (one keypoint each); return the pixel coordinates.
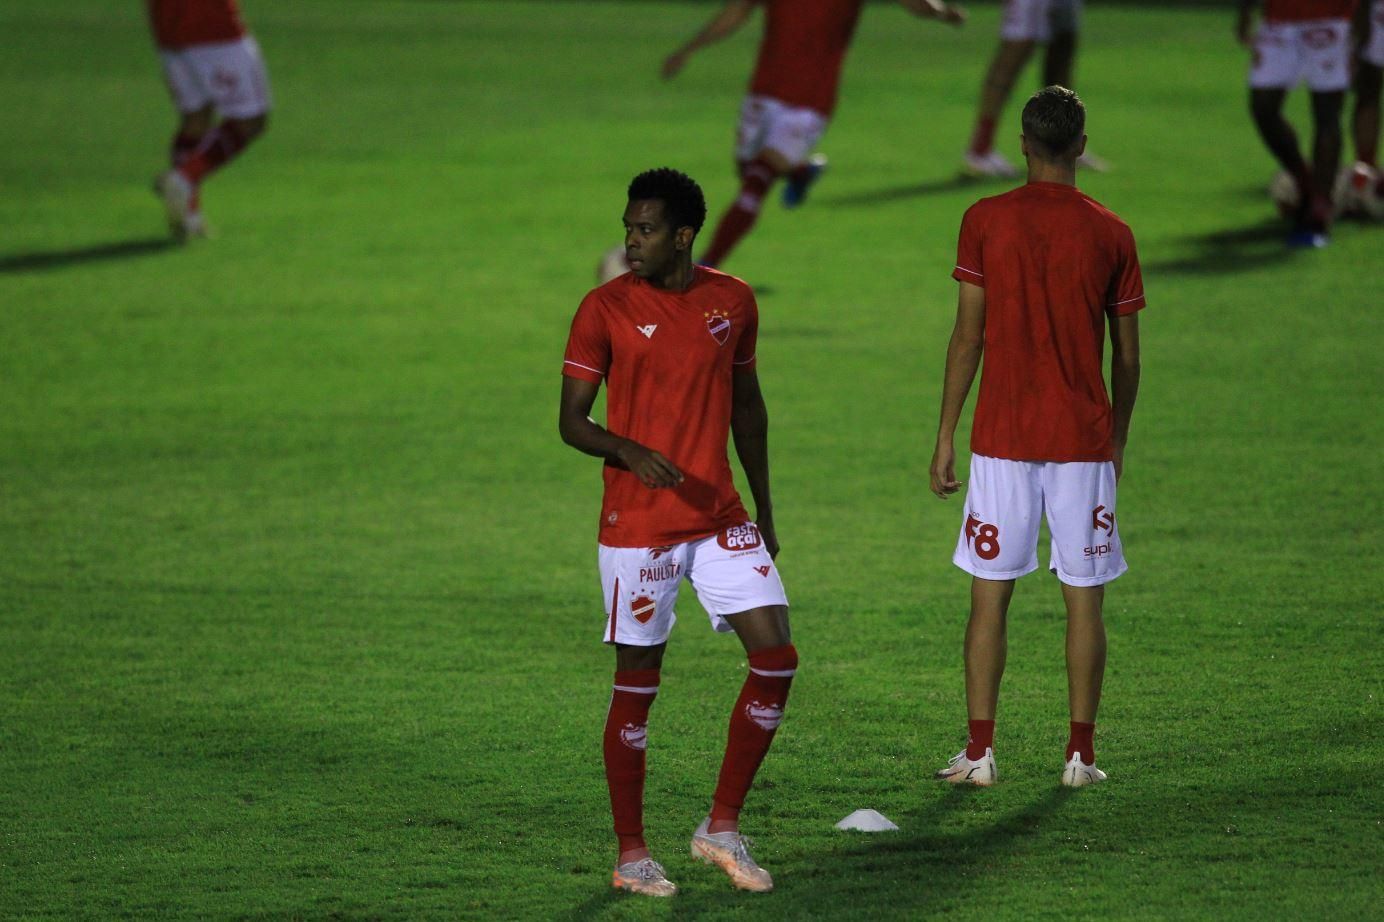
(969, 267)
(588, 345)
(749, 339)
(1127, 287)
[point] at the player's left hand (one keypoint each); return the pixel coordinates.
(672, 64)
(769, 536)
(952, 15)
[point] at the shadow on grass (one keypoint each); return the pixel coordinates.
(102, 252)
(1238, 249)
(899, 193)
(913, 868)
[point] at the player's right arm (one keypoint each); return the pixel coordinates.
(731, 17)
(1124, 381)
(963, 358)
(1244, 22)
(579, 430)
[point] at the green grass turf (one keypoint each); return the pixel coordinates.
(298, 607)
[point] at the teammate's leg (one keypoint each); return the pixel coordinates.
(1085, 663)
(1365, 117)
(986, 649)
(1003, 71)
(757, 176)
(192, 128)
(1326, 153)
(1266, 106)
(1059, 60)
(221, 145)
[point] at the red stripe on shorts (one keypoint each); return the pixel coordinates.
(614, 607)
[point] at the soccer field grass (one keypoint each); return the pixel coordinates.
(299, 615)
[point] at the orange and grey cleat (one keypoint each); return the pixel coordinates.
(730, 851)
(961, 770)
(645, 876)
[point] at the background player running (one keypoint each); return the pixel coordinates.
(1301, 41)
(1362, 190)
(1055, 24)
(1041, 268)
(791, 97)
(675, 344)
(220, 87)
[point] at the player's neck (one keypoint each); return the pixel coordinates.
(679, 278)
(1062, 173)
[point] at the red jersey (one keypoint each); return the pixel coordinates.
(802, 51)
(667, 359)
(180, 23)
(1053, 263)
(1302, 10)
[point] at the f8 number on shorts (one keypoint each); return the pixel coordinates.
(982, 537)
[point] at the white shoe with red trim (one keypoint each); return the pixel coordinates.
(1077, 774)
(961, 770)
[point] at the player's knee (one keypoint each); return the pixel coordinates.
(782, 660)
(249, 128)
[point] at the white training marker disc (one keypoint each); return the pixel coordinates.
(867, 821)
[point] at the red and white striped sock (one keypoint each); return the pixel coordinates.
(625, 740)
(755, 180)
(753, 724)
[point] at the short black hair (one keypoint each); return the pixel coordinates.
(682, 198)
(1054, 119)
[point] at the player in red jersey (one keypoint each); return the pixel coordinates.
(1360, 190)
(1054, 24)
(1041, 269)
(675, 345)
(1301, 40)
(791, 97)
(221, 89)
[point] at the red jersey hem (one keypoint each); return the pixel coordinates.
(971, 276)
(1107, 455)
(1128, 306)
(675, 537)
(571, 369)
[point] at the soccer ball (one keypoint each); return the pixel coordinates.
(612, 265)
(1357, 192)
(1284, 191)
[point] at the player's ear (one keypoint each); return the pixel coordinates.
(682, 238)
(1081, 148)
(1023, 145)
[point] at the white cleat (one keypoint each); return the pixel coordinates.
(1077, 774)
(991, 164)
(961, 770)
(730, 851)
(644, 876)
(1357, 192)
(176, 192)
(1090, 161)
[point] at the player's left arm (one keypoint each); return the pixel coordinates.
(725, 23)
(935, 9)
(1124, 380)
(1244, 22)
(749, 426)
(964, 350)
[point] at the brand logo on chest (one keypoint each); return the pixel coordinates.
(718, 325)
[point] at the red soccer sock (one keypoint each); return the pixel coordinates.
(982, 738)
(983, 138)
(220, 146)
(752, 726)
(625, 741)
(1082, 740)
(182, 147)
(755, 180)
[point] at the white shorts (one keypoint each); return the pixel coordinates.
(1004, 502)
(1373, 51)
(230, 75)
(1316, 52)
(1039, 20)
(731, 571)
(766, 123)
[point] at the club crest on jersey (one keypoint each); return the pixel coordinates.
(739, 537)
(642, 607)
(718, 325)
(767, 716)
(635, 737)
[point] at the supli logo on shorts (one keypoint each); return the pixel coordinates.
(1101, 522)
(739, 537)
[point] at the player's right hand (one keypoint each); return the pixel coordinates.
(943, 471)
(652, 469)
(672, 64)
